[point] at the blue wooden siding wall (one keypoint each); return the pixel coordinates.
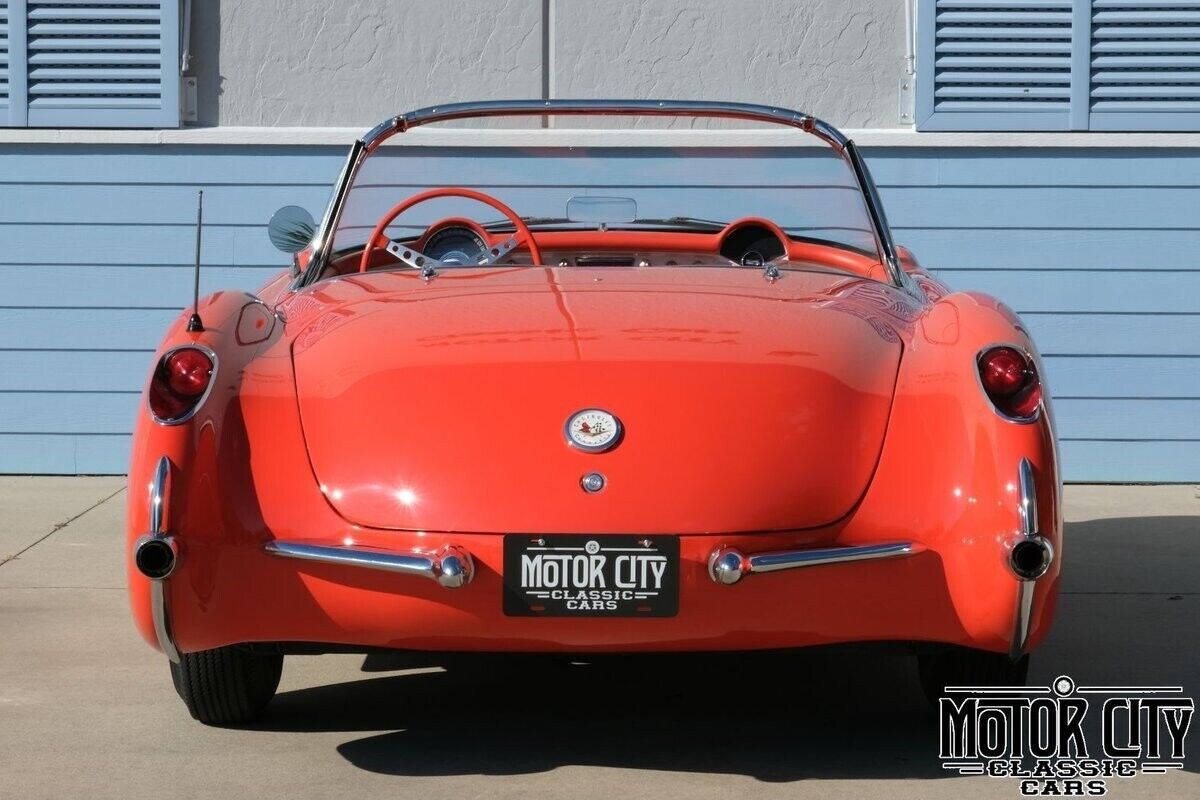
(1099, 250)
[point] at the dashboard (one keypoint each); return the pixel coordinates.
(460, 243)
(752, 243)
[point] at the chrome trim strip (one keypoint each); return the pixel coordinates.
(216, 364)
(452, 567)
(884, 244)
(160, 611)
(727, 565)
(567, 107)
(322, 242)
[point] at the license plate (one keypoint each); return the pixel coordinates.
(570, 575)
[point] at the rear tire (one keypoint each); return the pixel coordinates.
(963, 666)
(228, 685)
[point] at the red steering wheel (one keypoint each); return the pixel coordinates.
(427, 265)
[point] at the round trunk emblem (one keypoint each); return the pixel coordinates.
(593, 430)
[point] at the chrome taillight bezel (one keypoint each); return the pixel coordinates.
(1031, 364)
(191, 412)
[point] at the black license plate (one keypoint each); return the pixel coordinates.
(570, 575)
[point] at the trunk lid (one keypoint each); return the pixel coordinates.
(746, 405)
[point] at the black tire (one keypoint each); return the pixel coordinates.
(963, 666)
(228, 685)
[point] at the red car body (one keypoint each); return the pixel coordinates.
(821, 411)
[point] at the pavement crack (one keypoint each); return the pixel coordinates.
(58, 526)
(1168, 595)
(61, 588)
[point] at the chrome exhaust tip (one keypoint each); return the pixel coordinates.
(1031, 557)
(155, 556)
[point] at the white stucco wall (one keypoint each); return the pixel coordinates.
(354, 62)
(838, 59)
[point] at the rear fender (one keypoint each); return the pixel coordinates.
(237, 325)
(947, 475)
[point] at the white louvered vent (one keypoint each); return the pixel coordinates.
(94, 55)
(102, 63)
(1145, 56)
(1002, 56)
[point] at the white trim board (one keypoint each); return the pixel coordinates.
(580, 137)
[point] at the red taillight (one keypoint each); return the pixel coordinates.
(188, 372)
(180, 380)
(1003, 371)
(1010, 381)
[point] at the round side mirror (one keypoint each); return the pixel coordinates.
(291, 229)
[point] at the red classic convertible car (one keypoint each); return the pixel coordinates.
(598, 415)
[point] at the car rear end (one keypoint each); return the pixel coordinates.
(769, 489)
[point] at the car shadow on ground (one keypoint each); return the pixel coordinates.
(776, 717)
(772, 716)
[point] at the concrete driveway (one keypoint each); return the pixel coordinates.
(87, 710)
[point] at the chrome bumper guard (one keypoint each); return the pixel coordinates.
(727, 565)
(159, 492)
(1026, 569)
(451, 566)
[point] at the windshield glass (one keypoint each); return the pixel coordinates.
(798, 187)
(809, 192)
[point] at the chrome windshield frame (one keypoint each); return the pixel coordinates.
(323, 241)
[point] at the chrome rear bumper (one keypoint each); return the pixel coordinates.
(451, 566)
(728, 565)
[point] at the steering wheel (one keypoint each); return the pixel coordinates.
(428, 266)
